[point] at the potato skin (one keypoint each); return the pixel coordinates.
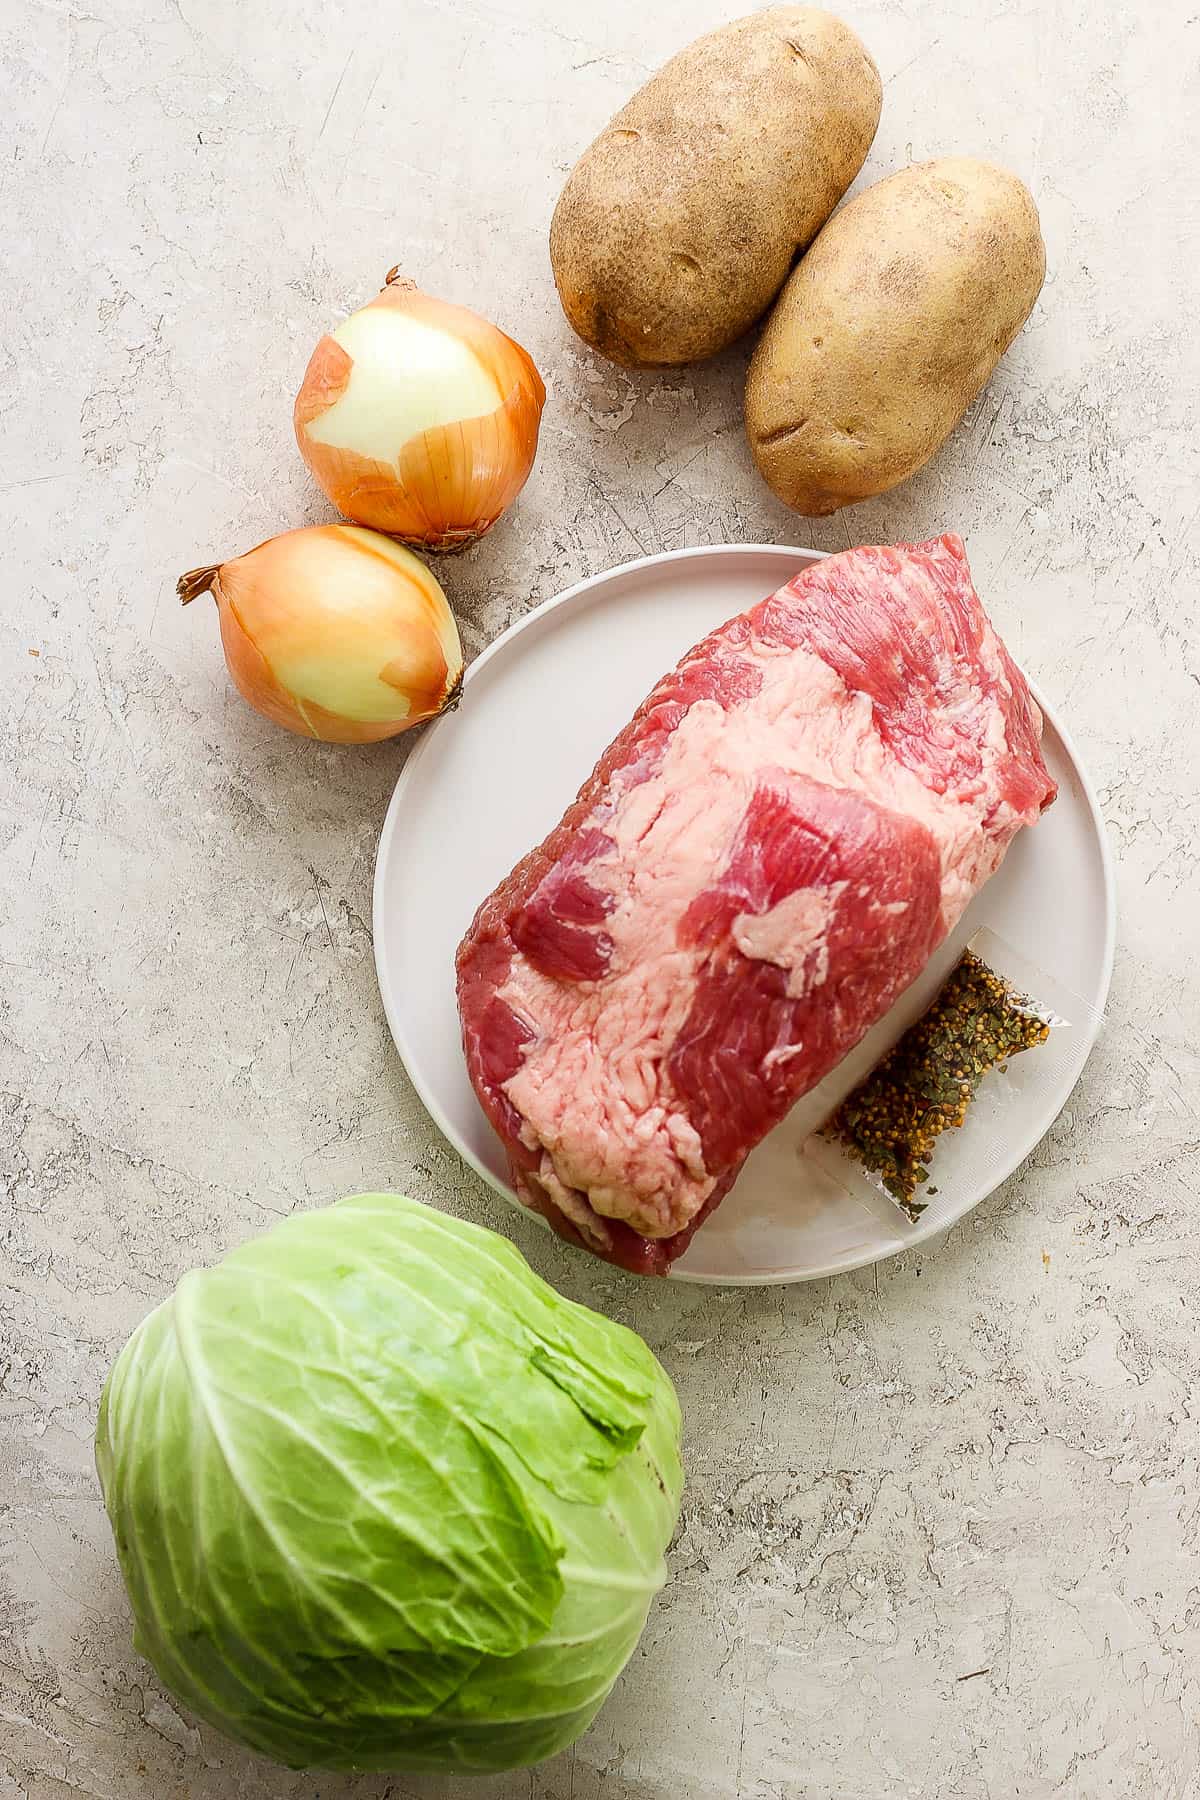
(889, 328)
(677, 228)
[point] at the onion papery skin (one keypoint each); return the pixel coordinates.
(335, 633)
(370, 387)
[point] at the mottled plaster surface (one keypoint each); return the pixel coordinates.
(939, 1537)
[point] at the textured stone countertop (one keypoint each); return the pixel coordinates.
(940, 1530)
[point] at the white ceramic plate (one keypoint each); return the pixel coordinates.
(490, 780)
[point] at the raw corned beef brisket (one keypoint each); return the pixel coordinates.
(760, 863)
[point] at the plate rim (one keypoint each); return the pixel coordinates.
(388, 835)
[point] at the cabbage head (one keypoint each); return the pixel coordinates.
(383, 1499)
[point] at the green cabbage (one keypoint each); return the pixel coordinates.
(383, 1499)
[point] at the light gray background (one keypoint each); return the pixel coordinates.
(979, 1462)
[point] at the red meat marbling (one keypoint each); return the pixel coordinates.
(760, 863)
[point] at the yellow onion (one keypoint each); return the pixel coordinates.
(419, 418)
(337, 633)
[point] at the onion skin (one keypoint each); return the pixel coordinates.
(439, 488)
(335, 633)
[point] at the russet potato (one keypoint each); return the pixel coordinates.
(678, 227)
(888, 328)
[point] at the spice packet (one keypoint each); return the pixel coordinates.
(949, 1110)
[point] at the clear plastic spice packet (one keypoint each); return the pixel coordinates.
(951, 1107)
